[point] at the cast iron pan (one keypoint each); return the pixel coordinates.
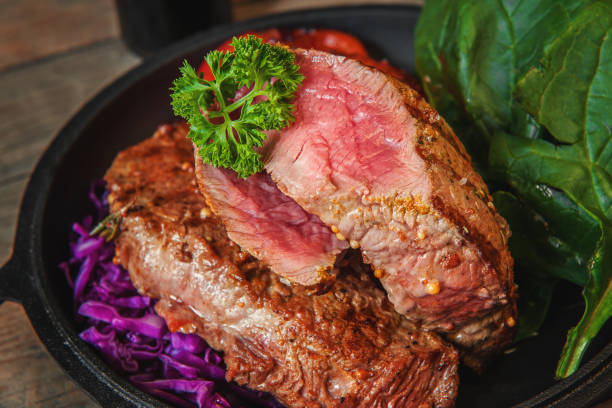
(127, 112)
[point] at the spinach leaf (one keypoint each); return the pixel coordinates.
(568, 91)
(530, 237)
(525, 84)
(471, 53)
(547, 249)
(569, 94)
(536, 295)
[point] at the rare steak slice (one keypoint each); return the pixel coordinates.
(378, 165)
(346, 348)
(271, 226)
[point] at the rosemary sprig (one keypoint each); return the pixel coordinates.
(109, 226)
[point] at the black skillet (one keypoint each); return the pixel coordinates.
(128, 111)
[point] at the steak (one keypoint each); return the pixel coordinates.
(375, 162)
(271, 226)
(346, 348)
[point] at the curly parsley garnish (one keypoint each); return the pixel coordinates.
(270, 73)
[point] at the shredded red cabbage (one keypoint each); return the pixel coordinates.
(178, 368)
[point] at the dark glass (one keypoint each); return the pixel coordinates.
(148, 25)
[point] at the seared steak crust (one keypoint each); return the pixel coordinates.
(345, 348)
(374, 161)
(481, 337)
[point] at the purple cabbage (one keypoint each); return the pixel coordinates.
(123, 326)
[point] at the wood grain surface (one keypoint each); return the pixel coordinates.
(54, 56)
(34, 29)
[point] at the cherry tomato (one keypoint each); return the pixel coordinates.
(338, 42)
(323, 39)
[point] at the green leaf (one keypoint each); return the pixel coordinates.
(269, 72)
(542, 247)
(189, 92)
(537, 162)
(538, 253)
(580, 57)
(474, 51)
(569, 93)
(598, 298)
(525, 84)
(533, 305)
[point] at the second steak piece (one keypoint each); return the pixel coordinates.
(271, 226)
(375, 162)
(347, 348)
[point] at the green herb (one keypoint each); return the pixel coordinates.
(210, 106)
(109, 226)
(526, 86)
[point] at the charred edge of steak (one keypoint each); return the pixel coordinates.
(419, 108)
(472, 235)
(428, 117)
(481, 339)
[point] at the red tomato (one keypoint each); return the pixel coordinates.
(324, 39)
(338, 42)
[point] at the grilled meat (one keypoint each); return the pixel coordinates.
(375, 162)
(271, 226)
(347, 347)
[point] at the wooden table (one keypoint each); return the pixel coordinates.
(54, 56)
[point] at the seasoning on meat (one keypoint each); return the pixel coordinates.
(345, 348)
(372, 159)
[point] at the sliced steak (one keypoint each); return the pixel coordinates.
(347, 348)
(271, 226)
(375, 162)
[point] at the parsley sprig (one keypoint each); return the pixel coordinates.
(271, 75)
